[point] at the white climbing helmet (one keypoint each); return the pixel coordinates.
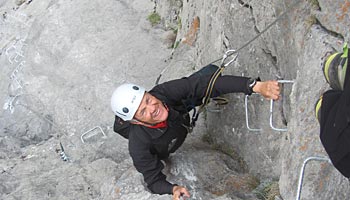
(126, 99)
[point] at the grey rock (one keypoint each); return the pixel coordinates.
(62, 59)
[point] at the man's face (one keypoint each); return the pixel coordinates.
(151, 110)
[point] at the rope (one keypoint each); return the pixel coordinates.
(173, 50)
(247, 43)
(53, 124)
(223, 65)
(207, 95)
(263, 31)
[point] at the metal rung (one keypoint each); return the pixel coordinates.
(9, 104)
(13, 49)
(302, 172)
(97, 127)
(271, 108)
(14, 76)
(19, 67)
(247, 117)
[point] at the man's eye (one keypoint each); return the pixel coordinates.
(142, 112)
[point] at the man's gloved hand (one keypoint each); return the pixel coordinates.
(269, 89)
(179, 191)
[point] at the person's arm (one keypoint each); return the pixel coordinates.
(148, 165)
(233, 84)
(195, 87)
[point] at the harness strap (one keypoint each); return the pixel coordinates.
(207, 95)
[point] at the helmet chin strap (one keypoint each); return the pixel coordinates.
(135, 120)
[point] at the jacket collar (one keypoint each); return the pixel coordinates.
(157, 132)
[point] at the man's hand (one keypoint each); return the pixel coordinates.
(179, 191)
(269, 89)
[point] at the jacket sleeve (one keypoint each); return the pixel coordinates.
(148, 165)
(195, 87)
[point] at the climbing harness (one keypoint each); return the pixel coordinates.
(227, 54)
(218, 102)
(210, 86)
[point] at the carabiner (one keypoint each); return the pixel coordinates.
(226, 55)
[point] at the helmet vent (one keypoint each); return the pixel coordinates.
(135, 87)
(125, 110)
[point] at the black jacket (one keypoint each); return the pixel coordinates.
(148, 146)
(335, 125)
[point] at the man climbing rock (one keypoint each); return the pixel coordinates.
(157, 122)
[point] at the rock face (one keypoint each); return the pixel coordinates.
(62, 59)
